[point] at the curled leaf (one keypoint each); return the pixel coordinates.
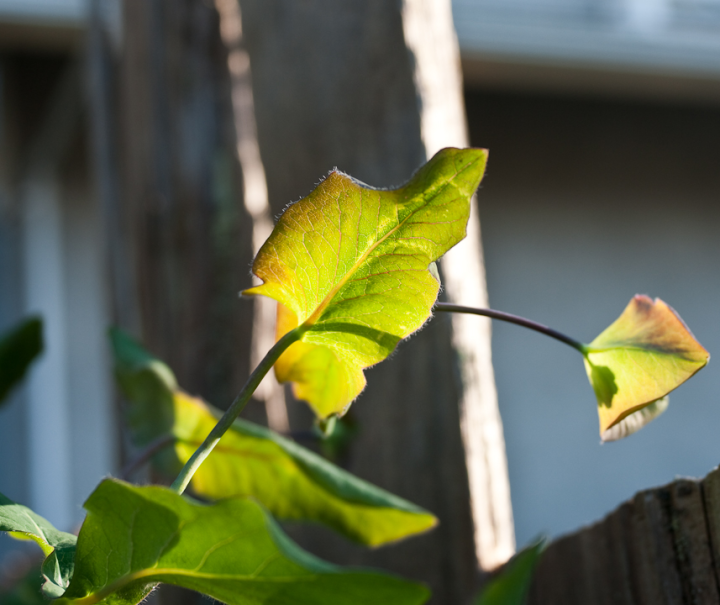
(646, 353)
(349, 266)
(233, 551)
(635, 421)
(292, 482)
(57, 546)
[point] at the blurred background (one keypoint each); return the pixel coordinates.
(120, 137)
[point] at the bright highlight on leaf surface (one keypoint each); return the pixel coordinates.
(134, 537)
(646, 353)
(57, 546)
(289, 480)
(349, 266)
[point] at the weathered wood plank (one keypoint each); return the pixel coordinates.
(711, 498)
(692, 543)
(659, 548)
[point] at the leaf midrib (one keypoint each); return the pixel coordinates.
(590, 350)
(313, 318)
(125, 580)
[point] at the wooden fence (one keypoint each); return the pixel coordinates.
(662, 547)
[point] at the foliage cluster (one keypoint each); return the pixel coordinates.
(352, 269)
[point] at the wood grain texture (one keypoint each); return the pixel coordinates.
(659, 548)
(181, 194)
(334, 86)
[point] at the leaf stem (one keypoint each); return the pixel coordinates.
(156, 446)
(514, 319)
(237, 406)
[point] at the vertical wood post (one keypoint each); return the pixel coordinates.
(182, 194)
(341, 84)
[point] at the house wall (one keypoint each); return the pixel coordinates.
(57, 435)
(586, 203)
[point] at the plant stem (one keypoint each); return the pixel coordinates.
(156, 446)
(234, 410)
(514, 319)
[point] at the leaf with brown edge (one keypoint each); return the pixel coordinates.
(349, 266)
(646, 353)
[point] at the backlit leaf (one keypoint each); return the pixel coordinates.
(349, 265)
(511, 586)
(646, 353)
(57, 546)
(18, 348)
(290, 481)
(134, 537)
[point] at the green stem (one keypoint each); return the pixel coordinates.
(234, 410)
(514, 319)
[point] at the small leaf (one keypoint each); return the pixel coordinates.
(349, 266)
(18, 348)
(57, 546)
(646, 353)
(289, 480)
(511, 586)
(134, 537)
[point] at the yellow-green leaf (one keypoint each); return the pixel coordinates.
(233, 551)
(349, 266)
(646, 353)
(290, 481)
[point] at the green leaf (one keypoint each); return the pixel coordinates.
(646, 353)
(57, 546)
(292, 482)
(18, 348)
(511, 586)
(349, 266)
(134, 537)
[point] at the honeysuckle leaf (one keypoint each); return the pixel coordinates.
(134, 537)
(350, 267)
(292, 482)
(57, 546)
(646, 353)
(511, 586)
(18, 348)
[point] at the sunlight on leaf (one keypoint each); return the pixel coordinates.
(512, 584)
(57, 546)
(646, 353)
(291, 481)
(18, 349)
(233, 551)
(350, 265)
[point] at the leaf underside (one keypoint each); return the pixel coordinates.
(292, 482)
(350, 266)
(57, 546)
(646, 353)
(134, 537)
